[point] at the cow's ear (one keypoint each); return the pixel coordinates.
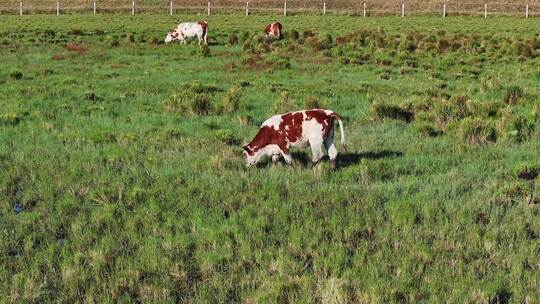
(246, 148)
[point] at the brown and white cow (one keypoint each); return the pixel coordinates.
(295, 129)
(273, 30)
(187, 30)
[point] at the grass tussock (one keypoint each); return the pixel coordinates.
(382, 110)
(231, 100)
(284, 103)
(512, 95)
(76, 47)
(476, 131)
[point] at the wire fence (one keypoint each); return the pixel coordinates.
(358, 8)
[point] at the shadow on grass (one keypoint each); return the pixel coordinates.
(348, 159)
(345, 159)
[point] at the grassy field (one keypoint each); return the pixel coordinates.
(122, 176)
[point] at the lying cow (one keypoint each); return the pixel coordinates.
(273, 30)
(187, 30)
(295, 129)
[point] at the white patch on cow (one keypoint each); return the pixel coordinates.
(273, 122)
(268, 150)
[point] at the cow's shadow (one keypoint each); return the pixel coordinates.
(345, 159)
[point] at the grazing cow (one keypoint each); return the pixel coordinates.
(295, 129)
(273, 30)
(187, 30)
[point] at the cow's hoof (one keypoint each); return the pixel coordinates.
(333, 161)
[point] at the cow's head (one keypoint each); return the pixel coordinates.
(250, 155)
(172, 35)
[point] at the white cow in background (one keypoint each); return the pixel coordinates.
(187, 30)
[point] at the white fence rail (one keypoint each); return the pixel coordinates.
(364, 9)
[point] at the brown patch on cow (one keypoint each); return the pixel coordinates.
(76, 47)
(267, 136)
(204, 26)
(274, 28)
(294, 122)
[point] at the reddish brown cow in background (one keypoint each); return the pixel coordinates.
(273, 30)
(295, 129)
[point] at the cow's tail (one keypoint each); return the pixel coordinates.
(341, 131)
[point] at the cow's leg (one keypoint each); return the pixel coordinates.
(331, 148)
(275, 158)
(286, 156)
(316, 150)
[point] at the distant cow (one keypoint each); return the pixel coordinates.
(273, 30)
(295, 129)
(187, 30)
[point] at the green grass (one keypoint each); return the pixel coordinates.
(125, 155)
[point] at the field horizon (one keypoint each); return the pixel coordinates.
(122, 177)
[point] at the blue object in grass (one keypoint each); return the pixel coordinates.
(18, 208)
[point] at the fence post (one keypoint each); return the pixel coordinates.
(402, 10)
(364, 10)
(20, 8)
(133, 7)
(485, 10)
(324, 8)
(170, 8)
(57, 8)
(94, 7)
(208, 8)
(247, 8)
(444, 10)
(285, 9)
(526, 11)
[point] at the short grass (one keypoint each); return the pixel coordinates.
(122, 178)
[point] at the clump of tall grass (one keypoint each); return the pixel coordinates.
(233, 39)
(312, 102)
(453, 109)
(227, 136)
(191, 100)
(231, 100)
(475, 131)
(16, 75)
(512, 95)
(284, 103)
(515, 128)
